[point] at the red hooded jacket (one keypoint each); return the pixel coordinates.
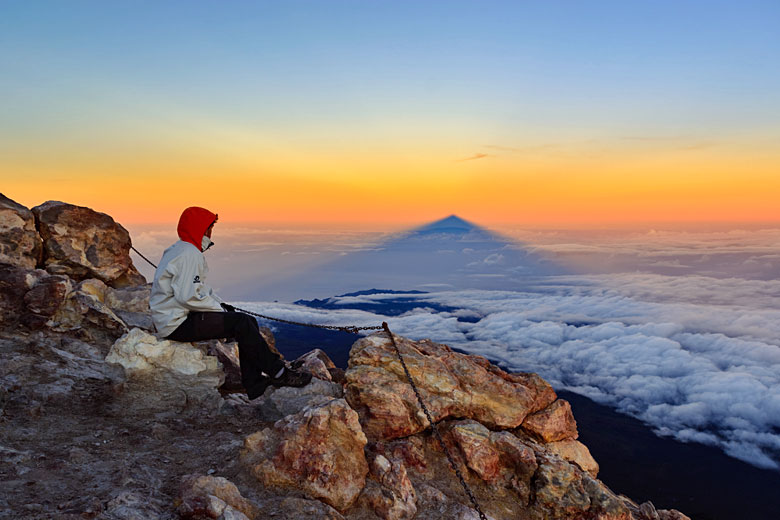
(193, 224)
(179, 285)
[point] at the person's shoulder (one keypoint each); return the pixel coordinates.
(184, 250)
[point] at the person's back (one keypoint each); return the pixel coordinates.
(185, 308)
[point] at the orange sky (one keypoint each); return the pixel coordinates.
(388, 114)
(582, 185)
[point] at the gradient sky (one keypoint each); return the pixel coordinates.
(392, 112)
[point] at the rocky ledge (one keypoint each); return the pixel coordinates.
(100, 419)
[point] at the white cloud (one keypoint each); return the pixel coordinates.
(651, 346)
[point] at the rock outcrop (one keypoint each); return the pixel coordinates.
(451, 384)
(89, 284)
(165, 376)
(20, 243)
(318, 450)
(82, 243)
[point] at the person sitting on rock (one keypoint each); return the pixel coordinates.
(184, 308)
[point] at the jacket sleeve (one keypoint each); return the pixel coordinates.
(190, 291)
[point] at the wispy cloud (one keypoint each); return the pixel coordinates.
(473, 157)
(676, 142)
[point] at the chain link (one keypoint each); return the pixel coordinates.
(434, 428)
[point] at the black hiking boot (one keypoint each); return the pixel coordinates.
(258, 388)
(292, 377)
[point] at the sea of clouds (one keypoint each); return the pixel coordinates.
(676, 353)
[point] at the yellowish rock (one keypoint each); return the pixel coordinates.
(576, 452)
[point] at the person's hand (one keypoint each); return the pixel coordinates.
(228, 307)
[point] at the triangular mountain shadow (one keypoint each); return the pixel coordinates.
(447, 254)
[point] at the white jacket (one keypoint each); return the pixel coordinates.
(180, 287)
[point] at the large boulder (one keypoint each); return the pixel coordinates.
(318, 451)
(82, 243)
(451, 385)
(165, 376)
(20, 243)
(139, 352)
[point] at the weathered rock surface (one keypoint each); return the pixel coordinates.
(554, 423)
(165, 376)
(20, 243)
(15, 283)
(317, 363)
(204, 496)
(496, 457)
(84, 309)
(139, 351)
(82, 243)
(451, 385)
(277, 403)
(577, 453)
(297, 508)
(391, 495)
(318, 450)
(564, 491)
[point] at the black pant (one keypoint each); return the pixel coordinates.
(253, 352)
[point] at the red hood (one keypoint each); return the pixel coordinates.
(193, 224)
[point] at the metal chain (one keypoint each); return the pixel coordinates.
(142, 256)
(433, 426)
(346, 328)
(356, 330)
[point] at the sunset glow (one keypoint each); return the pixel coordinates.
(391, 114)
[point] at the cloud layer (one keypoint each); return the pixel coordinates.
(667, 350)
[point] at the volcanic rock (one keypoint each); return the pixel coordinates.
(577, 453)
(277, 403)
(82, 243)
(563, 491)
(15, 282)
(20, 243)
(392, 495)
(139, 351)
(205, 496)
(165, 376)
(47, 295)
(83, 309)
(496, 457)
(317, 363)
(297, 508)
(451, 385)
(318, 450)
(554, 423)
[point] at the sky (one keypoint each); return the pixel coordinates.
(392, 113)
